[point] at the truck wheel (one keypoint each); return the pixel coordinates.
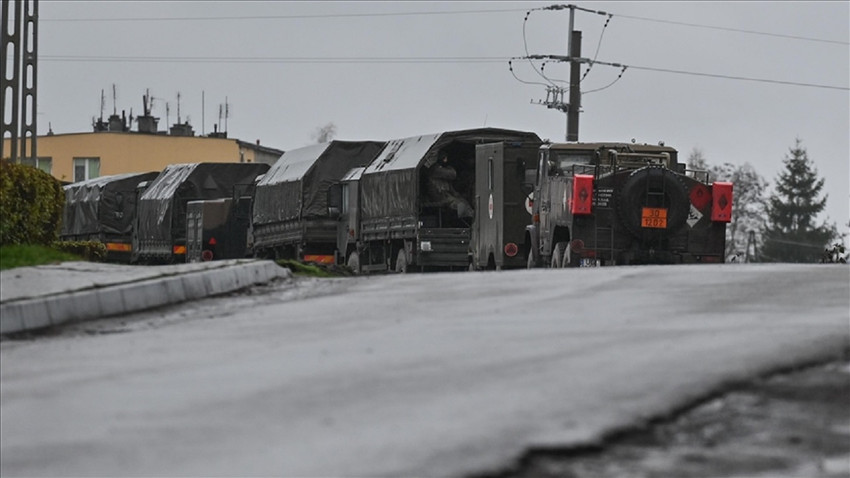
(569, 260)
(558, 253)
(401, 262)
(353, 262)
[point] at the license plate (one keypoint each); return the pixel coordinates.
(654, 217)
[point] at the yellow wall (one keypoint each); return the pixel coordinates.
(132, 152)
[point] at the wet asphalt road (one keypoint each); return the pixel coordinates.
(789, 425)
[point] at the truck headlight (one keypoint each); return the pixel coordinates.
(425, 246)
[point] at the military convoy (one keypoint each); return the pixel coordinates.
(473, 199)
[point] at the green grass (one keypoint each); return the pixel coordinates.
(312, 270)
(30, 255)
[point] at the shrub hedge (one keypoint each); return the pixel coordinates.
(31, 203)
(93, 251)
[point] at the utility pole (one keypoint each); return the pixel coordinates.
(555, 94)
(575, 88)
(20, 39)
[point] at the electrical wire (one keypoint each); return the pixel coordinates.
(742, 78)
(444, 12)
(278, 17)
(598, 47)
(525, 45)
(511, 68)
(623, 70)
(562, 58)
(736, 30)
(315, 60)
(391, 60)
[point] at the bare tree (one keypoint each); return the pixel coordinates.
(325, 133)
(748, 205)
(697, 161)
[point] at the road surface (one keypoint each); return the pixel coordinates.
(416, 375)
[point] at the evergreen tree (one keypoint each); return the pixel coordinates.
(790, 233)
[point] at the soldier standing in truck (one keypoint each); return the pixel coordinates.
(441, 192)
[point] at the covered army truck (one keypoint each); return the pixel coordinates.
(502, 203)
(414, 202)
(159, 235)
(219, 229)
(291, 218)
(103, 210)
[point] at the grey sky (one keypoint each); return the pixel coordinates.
(246, 54)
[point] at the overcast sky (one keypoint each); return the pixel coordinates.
(741, 81)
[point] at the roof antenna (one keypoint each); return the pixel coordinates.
(226, 113)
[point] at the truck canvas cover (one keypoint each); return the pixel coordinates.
(162, 207)
(296, 186)
(390, 184)
(104, 205)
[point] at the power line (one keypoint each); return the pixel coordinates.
(562, 58)
(742, 78)
(328, 60)
(280, 17)
(737, 30)
(431, 13)
(390, 60)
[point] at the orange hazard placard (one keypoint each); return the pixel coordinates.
(654, 217)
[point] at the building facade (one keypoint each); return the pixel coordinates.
(80, 156)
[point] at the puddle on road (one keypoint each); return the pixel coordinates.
(794, 425)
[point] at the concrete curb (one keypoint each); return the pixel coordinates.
(125, 298)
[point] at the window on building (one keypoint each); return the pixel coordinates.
(43, 163)
(86, 168)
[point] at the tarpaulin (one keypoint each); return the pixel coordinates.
(162, 207)
(101, 206)
(390, 186)
(296, 186)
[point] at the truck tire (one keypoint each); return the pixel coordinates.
(401, 262)
(558, 253)
(353, 262)
(633, 198)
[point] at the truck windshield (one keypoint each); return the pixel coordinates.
(569, 162)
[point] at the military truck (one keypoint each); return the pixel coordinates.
(219, 229)
(103, 210)
(291, 218)
(618, 203)
(502, 204)
(412, 207)
(159, 233)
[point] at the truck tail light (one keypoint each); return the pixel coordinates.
(721, 202)
(582, 198)
(511, 249)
